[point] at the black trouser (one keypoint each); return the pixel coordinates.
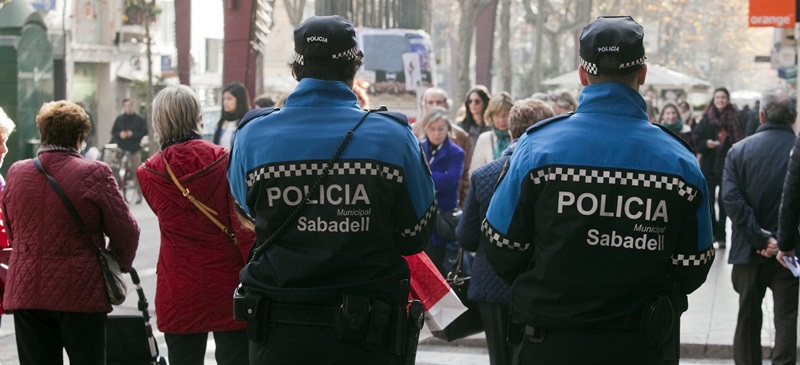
(190, 348)
(495, 323)
(42, 336)
(301, 344)
(595, 347)
(751, 282)
(718, 215)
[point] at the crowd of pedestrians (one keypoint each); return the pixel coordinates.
(581, 245)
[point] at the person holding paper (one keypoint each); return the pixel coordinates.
(755, 169)
(601, 237)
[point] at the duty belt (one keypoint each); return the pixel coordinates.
(300, 314)
(624, 323)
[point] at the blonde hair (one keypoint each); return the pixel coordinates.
(434, 114)
(61, 123)
(498, 102)
(6, 124)
(176, 113)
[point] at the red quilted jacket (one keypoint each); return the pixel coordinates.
(198, 265)
(52, 266)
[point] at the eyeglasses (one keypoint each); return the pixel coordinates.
(475, 101)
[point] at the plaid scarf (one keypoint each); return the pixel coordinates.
(728, 123)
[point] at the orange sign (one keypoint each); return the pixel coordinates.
(772, 13)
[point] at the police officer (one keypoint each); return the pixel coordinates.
(601, 222)
(333, 214)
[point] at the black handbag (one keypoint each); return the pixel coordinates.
(446, 223)
(469, 322)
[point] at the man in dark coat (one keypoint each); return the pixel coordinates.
(751, 191)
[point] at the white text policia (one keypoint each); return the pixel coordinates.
(617, 207)
(333, 194)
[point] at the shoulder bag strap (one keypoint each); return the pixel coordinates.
(208, 212)
(67, 203)
(259, 249)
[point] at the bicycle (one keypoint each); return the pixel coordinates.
(124, 172)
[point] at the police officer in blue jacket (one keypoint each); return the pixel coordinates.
(337, 194)
(601, 222)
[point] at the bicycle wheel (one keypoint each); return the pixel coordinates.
(129, 189)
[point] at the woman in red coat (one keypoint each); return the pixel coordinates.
(199, 263)
(55, 287)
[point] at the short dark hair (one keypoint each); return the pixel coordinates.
(779, 105)
(264, 101)
(61, 123)
(334, 71)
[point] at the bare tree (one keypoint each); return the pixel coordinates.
(505, 39)
(553, 23)
(410, 14)
(294, 9)
(466, 27)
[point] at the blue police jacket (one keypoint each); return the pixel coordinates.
(598, 212)
(375, 205)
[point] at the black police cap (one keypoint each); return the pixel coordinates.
(620, 35)
(320, 40)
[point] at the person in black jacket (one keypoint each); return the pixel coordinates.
(486, 289)
(751, 191)
(715, 134)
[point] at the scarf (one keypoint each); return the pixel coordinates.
(433, 150)
(501, 143)
(180, 140)
(674, 127)
(232, 116)
(728, 123)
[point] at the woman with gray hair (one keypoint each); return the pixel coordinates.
(203, 243)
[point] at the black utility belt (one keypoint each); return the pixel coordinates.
(655, 324)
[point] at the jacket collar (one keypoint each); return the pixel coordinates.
(612, 98)
(313, 93)
(771, 125)
(54, 148)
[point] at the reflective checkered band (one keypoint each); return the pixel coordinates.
(592, 176)
(411, 232)
(633, 63)
(588, 66)
(693, 260)
(500, 241)
(593, 69)
(317, 168)
(349, 54)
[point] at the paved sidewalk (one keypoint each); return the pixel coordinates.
(706, 328)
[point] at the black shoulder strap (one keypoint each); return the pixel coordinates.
(253, 114)
(259, 249)
(67, 203)
(548, 121)
(671, 133)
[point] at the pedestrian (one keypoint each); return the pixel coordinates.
(671, 119)
(486, 289)
(128, 130)
(446, 161)
(198, 240)
(492, 143)
(475, 104)
(55, 287)
(235, 104)
(602, 238)
(437, 97)
(338, 195)
(717, 131)
(6, 127)
(755, 169)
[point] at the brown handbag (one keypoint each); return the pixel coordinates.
(208, 212)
